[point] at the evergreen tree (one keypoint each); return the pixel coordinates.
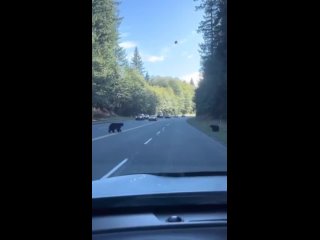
(211, 95)
(104, 44)
(136, 61)
(147, 77)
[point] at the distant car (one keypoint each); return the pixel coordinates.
(160, 116)
(167, 116)
(153, 118)
(183, 115)
(140, 117)
(146, 116)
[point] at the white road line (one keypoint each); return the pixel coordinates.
(148, 141)
(158, 132)
(115, 168)
(127, 130)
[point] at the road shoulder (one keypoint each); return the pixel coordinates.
(203, 125)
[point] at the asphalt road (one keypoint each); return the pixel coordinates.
(167, 145)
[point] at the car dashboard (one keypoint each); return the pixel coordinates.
(160, 207)
(205, 222)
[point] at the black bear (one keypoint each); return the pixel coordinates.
(115, 126)
(215, 128)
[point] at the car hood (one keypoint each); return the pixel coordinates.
(145, 184)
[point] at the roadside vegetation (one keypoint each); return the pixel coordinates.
(203, 124)
(122, 87)
(211, 95)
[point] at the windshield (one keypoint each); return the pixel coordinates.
(159, 88)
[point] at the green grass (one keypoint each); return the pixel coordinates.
(203, 124)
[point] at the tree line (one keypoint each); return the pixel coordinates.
(124, 87)
(211, 95)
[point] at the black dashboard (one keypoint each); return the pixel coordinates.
(205, 222)
(152, 207)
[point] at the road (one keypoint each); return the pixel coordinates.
(166, 145)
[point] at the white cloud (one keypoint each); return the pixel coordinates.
(154, 58)
(196, 76)
(128, 44)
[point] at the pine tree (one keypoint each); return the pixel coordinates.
(211, 95)
(122, 57)
(136, 61)
(104, 37)
(105, 68)
(147, 77)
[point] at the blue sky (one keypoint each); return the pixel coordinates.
(153, 26)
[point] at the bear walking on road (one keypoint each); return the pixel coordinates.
(115, 126)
